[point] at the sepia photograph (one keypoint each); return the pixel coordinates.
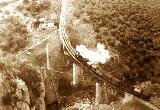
(79, 54)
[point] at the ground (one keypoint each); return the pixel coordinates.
(40, 24)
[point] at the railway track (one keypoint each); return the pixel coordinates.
(106, 78)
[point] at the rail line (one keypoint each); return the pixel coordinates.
(106, 78)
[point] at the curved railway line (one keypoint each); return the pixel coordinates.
(106, 78)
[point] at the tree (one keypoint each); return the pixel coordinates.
(14, 36)
(130, 30)
(14, 70)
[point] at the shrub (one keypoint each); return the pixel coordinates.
(128, 29)
(15, 36)
(31, 75)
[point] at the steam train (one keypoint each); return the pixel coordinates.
(95, 70)
(108, 77)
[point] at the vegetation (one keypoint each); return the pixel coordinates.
(34, 9)
(131, 32)
(27, 73)
(9, 98)
(32, 77)
(14, 36)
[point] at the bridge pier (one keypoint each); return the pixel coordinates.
(77, 74)
(98, 93)
(101, 94)
(104, 93)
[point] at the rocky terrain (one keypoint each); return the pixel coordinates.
(37, 72)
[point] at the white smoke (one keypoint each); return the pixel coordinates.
(127, 98)
(98, 55)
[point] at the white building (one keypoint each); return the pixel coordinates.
(19, 2)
